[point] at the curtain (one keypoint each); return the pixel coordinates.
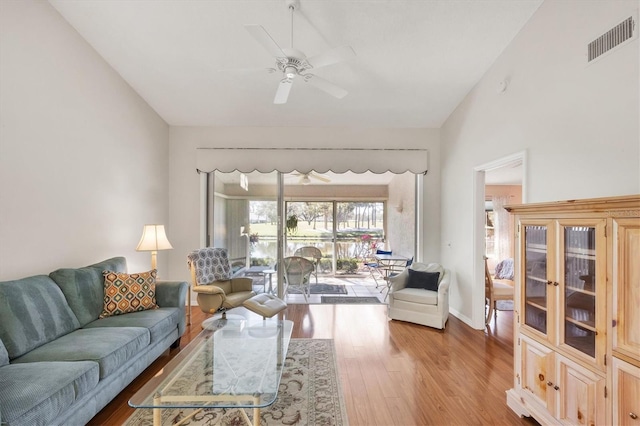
(503, 228)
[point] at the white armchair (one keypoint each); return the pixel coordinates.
(419, 305)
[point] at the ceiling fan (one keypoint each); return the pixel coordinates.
(305, 178)
(295, 65)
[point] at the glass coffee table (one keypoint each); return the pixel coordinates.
(234, 363)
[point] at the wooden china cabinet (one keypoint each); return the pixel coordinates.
(577, 312)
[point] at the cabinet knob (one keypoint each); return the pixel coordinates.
(556, 387)
(549, 384)
(633, 416)
(549, 282)
(556, 284)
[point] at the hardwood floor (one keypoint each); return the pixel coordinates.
(392, 372)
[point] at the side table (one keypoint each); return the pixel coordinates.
(270, 273)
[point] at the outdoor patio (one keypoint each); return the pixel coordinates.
(356, 287)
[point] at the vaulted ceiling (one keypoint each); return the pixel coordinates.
(415, 60)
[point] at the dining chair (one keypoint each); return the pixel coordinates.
(494, 290)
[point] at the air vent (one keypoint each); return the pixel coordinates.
(616, 36)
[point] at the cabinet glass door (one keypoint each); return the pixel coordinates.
(580, 288)
(535, 290)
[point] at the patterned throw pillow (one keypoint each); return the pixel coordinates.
(124, 293)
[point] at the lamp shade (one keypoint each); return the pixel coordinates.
(153, 238)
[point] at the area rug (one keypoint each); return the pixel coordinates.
(341, 300)
(328, 289)
(310, 394)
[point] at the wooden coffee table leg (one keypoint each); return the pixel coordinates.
(256, 412)
(157, 412)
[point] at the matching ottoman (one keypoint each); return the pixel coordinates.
(265, 305)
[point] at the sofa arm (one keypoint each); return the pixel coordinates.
(443, 289)
(171, 293)
(208, 289)
(398, 282)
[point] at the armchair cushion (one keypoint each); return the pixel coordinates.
(417, 295)
(423, 280)
(234, 300)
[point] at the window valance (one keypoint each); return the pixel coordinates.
(304, 160)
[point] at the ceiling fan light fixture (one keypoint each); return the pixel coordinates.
(290, 72)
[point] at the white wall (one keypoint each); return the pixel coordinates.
(184, 179)
(578, 125)
(401, 215)
(83, 159)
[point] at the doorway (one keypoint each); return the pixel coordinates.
(497, 183)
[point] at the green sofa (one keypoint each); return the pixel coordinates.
(59, 363)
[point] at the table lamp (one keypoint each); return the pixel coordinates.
(153, 239)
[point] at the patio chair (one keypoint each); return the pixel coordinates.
(297, 274)
(309, 252)
(374, 267)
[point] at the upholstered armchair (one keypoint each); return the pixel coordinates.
(211, 280)
(420, 296)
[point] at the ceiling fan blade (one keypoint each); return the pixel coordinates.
(325, 86)
(282, 94)
(331, 57)
(262, 36)
(245, 71)
(319, 177)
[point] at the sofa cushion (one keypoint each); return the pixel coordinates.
(37, 393)
(4, 355)
(159, 322)
(125, 293)
(33, 311)
(110, 347)
(417, 295)
(424, 280)
(84, 287)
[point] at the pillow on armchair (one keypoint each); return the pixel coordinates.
(423, 279)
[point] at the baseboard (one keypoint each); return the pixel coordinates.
(462, 318)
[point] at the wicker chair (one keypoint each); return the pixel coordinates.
(297, 274)
(309, 252)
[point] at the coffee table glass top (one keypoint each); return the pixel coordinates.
(234, 363)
